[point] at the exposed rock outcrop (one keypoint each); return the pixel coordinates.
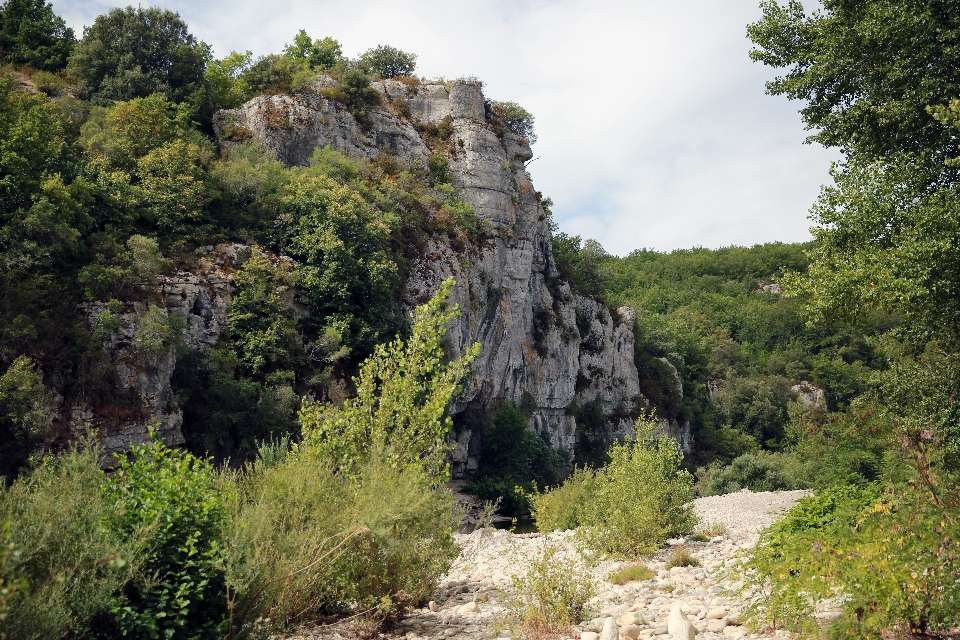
(543, 345)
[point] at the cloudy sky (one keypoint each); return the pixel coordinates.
(654, 129)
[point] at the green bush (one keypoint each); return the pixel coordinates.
(319, 54)
(516, 119)
(889, 558)
(553, 595)
(403, 392)
(516, 460)
(306, 543)
(630, 506)
(62, 565)
(633, 573)
(760, 471)
(385, 61)
(173, 506)
(354, 92)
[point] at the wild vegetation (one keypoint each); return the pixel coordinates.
(170, 546)
(109, 177)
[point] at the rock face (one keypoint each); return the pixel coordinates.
(141, 345)
(543, 346)
(540, 341)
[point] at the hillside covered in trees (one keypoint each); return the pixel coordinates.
(270, 285)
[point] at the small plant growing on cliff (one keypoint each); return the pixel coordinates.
(681, 557)
(516, 119)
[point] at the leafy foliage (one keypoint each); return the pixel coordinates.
(319, 54)
(135, 52)
(32, 34)
(402, 397)
(385, 61)
(172, 504)
(66, 564)
(516, 119)
(631, 505)
(516, 460)
(24, 403)
(553, 595)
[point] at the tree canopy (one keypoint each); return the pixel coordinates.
(134, 52)
(32, 34)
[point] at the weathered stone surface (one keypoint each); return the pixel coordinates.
(542, 344)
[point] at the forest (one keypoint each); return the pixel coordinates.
(830, 365)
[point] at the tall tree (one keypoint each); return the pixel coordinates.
(32, 34)
(135, 52)
(867, 70)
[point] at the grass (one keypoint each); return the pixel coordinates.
(633, 573)
(698, 537)
(681, 558)
(713, 529)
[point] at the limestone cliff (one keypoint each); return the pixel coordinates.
(543, 345)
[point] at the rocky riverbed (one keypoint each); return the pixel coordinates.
(470, 603)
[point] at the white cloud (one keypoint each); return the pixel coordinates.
(654, 128)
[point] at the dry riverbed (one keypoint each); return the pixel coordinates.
(469, 604)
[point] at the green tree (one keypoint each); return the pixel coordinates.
(867, 71)
(32, 34)
(225, 82)
(348, 272)
(135, 52)
(385, 61)
(400, 412)
(24, 403)
(319, 54)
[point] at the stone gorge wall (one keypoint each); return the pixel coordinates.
(540, 341)
(538, 338)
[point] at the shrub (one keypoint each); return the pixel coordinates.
(553, 595)
(173, 506)
(516, 460)
(357, 518)
(760, 471)
(47, 82)
(632, 573)
(61, 564)
(24, 403)
(402, 396)
(681, 557)
(713, 529)
(516, 119)
(306, 543)
(355, 93)
(634, 503)
(565, 507)
(385, 61)
(889, 558)
(271, 74)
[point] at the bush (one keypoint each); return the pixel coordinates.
(385, 61)
(172, 505)
(61, 564)
(306, 543)
(887, 557)
(633, 573)
(400, 411)
(516, 460)
(319, 54)
(760, 471)
(355, 93)
(24, 403)
(681, 557)
(565, 507)
(633, 504)
(553, 595)
(516, 119)
(271, 74)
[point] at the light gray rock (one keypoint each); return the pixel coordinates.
(610, 630)
(470, 607)
(589, 635)
(631, 631)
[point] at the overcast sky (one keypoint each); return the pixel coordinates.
(654, 128)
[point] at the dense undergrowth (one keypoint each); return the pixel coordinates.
(354, 520)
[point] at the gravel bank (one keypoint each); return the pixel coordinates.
(469, 605)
